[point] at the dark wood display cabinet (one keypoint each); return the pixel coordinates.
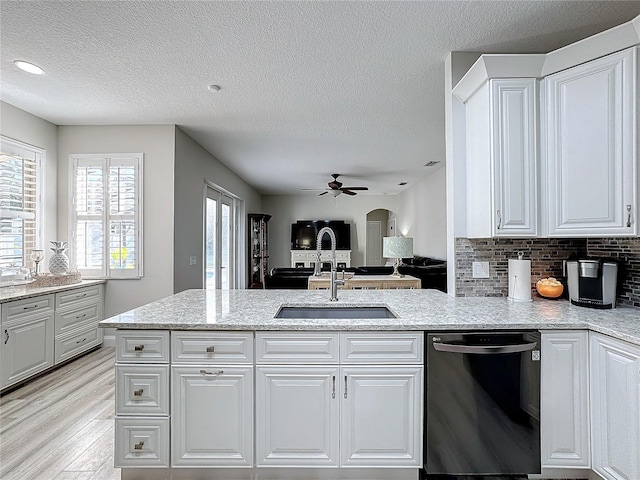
(258, 249)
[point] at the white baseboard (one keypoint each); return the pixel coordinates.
(109, 341)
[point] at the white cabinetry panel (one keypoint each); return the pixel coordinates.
(591, 148)
(564, 399)
(297, 416)
(615, 410)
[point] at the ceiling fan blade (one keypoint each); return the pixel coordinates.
(354, 188)
(348, 192)
(323, 193)
(313, 189)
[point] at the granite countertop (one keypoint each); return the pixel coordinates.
(18, 292)
(429, 310)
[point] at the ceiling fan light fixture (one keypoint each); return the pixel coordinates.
(28, 67)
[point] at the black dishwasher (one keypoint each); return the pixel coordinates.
(482, 403)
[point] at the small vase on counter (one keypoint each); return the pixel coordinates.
(59, 262)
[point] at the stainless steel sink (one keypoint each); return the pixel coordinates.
(337, 312)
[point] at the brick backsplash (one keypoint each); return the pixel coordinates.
(546, 256)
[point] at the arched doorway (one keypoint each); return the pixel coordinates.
(380, 223)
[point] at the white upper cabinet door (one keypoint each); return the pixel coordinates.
(591, 148)
(615, 409)
(502, 198)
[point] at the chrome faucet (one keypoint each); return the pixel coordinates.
(334, 280)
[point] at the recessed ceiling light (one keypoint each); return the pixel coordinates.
(214, 88)
(28, 67)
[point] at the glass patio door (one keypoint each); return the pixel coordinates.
(220, 242)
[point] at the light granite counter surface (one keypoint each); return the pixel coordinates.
(428, 310)
(18, 292)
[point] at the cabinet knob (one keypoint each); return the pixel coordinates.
(211, 349)
(138, 348)
(138, 393)
(139, 445)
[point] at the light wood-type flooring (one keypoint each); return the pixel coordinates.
(60, 426)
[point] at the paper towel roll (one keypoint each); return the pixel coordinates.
(520, 280)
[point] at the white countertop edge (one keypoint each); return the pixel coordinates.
(20, 292)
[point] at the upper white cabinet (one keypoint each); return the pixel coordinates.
(501, 125)
(615, 407)
(591, 148)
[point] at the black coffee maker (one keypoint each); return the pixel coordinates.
(592, 282)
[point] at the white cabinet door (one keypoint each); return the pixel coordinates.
(297, 416)
(381, 424)
(615, 409)
(27, 347)
(502, 198)
(212, 416)
(564, 399)
(591, 139)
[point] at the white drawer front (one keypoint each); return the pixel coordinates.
(141, 442)
(142, 389)
(83, 294)
(20, 308)
(76, 342)
(299, 256)
(72, 319)
(307, 347)
(381, 347)
(212, 347)
(142, 346)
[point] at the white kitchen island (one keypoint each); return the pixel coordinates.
(210, 385)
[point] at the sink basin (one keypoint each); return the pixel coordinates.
(341, 312)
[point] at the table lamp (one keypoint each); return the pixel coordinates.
(397, 248)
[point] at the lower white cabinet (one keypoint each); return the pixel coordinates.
(27, 347)
(212, 416)
(615, 409)
(297, 410)
(564, 399)
(381, 416)
(368, 414)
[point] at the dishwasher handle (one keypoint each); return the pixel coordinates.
(484, 350)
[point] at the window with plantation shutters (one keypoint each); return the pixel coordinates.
(106, 215)
(20, 166)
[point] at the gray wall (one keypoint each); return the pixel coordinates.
(20, 125)
(422, 214)
(157, 144)
(193, 167)
(287, 209)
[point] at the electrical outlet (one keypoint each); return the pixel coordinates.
(480, 269)
(192, 260)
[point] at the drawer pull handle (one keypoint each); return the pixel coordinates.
(211, 349)
(139, 445)
(81, 316)
(81, 295)
(628, 215)
(217, 372)
(6, 338)
(81, 341)
(345, 386)
(499, 219)
(29, 307)
(138, 393)
(333, 387)
(138, 348)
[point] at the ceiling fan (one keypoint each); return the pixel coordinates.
(336, 188)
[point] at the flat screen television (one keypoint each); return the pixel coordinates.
(305, 232)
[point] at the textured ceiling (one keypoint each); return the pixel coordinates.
(308, 88)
